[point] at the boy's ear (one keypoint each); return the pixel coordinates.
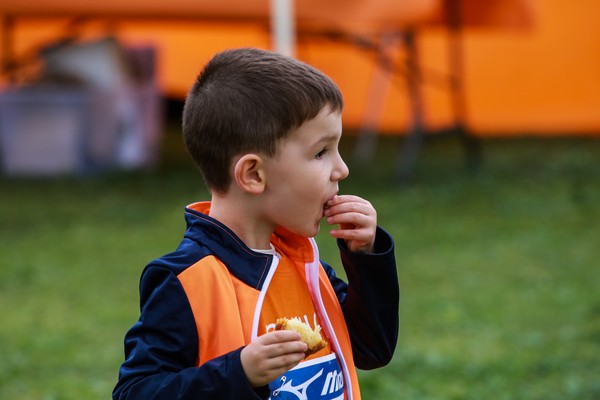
(249, 173)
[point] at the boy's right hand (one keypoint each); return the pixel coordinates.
(271, 355)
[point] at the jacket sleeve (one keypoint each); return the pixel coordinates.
(161, 351)
(370, 301)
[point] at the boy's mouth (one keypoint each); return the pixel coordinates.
(326, 205)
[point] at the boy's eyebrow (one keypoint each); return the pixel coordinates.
(327, 139)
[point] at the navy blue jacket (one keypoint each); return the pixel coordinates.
(161, 349)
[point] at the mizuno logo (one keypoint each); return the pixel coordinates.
(334, 381)
(319, 378)
(298, 391)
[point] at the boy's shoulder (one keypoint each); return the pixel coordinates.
(206, 257)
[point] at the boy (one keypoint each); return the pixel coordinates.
(264, 130)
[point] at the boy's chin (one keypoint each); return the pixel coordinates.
(307, 232)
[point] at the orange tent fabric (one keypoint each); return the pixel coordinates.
(530, 67)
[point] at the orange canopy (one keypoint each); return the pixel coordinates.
(529, 66)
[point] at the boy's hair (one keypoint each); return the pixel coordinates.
(245, 101)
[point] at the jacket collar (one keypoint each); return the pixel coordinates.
(245, 264)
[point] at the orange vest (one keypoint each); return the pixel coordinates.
(227, 310)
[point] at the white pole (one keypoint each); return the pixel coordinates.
(283, 27)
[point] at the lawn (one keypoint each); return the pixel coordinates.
(499, 270)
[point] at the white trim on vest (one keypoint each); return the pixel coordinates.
(261, 296)
(312, 277)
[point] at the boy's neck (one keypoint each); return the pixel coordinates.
(241, 217)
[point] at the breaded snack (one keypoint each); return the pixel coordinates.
(311, 337)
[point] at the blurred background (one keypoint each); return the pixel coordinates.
(503, 68)
(472, 127)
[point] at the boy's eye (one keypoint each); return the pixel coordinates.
(321, 153)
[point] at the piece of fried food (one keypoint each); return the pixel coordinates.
(311, 337)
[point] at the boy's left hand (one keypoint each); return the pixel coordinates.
(357, 220)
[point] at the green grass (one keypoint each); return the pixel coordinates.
(499, 271)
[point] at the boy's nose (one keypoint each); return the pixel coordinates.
(340, 171)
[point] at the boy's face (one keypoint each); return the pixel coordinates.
(305, 174)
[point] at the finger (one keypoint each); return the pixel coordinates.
(345, 198)
(285, 361)
(361, 235)
(284, 348)
(340, 207)
(278, 343)
(279, 337)
(351, 220)
(349, 208)
(355, 241)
